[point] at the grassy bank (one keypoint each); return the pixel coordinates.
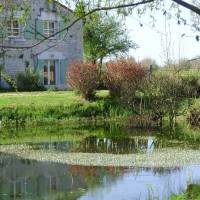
(32, 107)
(192, 193)
(38, 108)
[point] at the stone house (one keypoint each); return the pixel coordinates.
(52, 56)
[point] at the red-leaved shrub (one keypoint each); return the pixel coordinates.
(83, 77)
(124, 78)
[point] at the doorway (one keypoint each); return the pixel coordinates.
(49, 72)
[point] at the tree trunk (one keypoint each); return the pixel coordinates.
(100, 65)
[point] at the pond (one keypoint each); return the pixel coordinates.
(94, 163)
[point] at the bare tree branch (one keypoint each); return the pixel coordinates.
(77, 20)
(188, 6)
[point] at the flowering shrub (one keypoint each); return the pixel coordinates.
(124, 78)
(83, 77)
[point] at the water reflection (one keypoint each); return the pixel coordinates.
(93, 144)
(116, 145)
(26, 179)
(31, 180)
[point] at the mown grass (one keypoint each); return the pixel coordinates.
(40, 99)
(52, 98)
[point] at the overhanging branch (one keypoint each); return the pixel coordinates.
(188, 6)
(77, 20)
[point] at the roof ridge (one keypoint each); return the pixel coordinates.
(63, 5)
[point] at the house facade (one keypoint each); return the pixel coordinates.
(50, 57)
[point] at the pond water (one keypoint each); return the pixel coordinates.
(25, 178)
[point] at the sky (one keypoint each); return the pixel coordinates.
(152, 41)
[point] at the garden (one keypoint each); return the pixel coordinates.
(112, 123)
(86, 113)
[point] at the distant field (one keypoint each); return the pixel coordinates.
(195, 73)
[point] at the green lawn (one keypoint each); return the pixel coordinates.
(21, 107)
(64, 98)
(40, 98)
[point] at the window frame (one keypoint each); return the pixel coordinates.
(47, 30)
(12, 31)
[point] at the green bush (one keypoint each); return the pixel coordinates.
(194, 117)
(9, 80)
(29, 80)
(164, 95)
(191, 86)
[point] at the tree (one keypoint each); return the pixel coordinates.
(104, 36)
(84, 8)
(147, 62)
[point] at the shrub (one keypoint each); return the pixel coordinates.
(192, 86)
(193, 116)
(29, 80)
(124, 78)
(165, 95)
(9, 80)
(84, 78)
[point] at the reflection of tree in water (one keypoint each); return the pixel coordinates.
(116, 145)
(94, 144)
(28, 179)
(161, 170)
(94, 176)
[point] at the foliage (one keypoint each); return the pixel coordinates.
(29, 80)
(105, 35)
(184, 64)
(194, 115)
(192, 193)
(11, 7)
(124, 78)
(31, 107)
(9, 80)
(83, 77)
(147, 62)
(165, 94)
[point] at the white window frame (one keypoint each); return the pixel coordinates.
(11, 30)
(47, 30)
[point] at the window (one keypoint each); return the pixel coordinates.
(13, 28)
(45, 75)
(52, 73)
(49, 72)
(49, 28)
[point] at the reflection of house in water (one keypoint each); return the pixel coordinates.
(25, 179)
